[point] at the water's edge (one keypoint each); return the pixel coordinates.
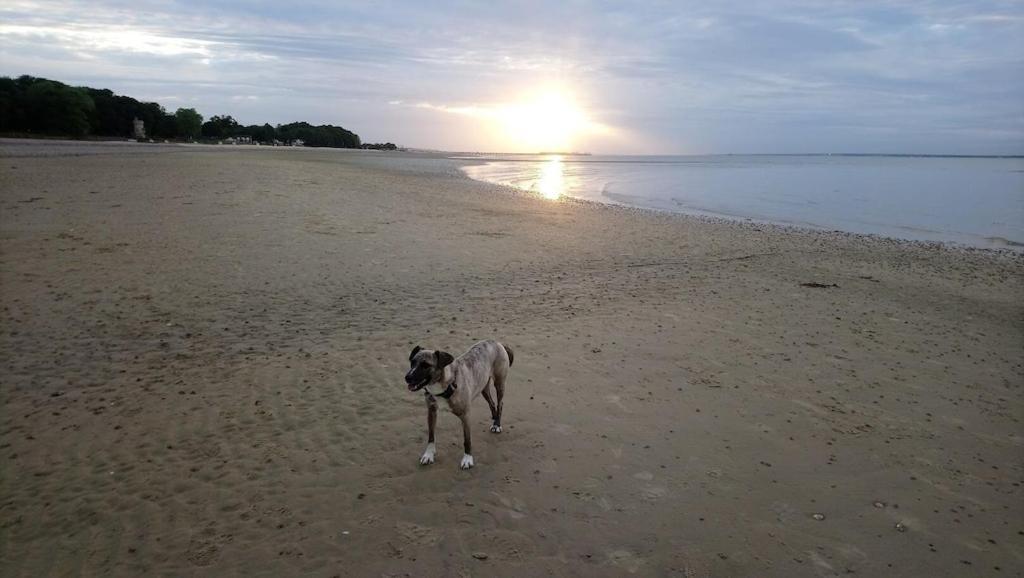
(913, 234)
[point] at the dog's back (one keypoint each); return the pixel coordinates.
(486, 360)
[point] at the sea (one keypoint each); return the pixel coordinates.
(972, 201)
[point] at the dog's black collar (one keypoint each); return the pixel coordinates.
(448, 391)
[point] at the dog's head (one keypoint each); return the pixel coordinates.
(425, 367)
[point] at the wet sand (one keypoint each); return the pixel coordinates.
(203, 350)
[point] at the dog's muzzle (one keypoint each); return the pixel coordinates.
(415, 386)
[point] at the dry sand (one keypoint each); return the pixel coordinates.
(203, 351)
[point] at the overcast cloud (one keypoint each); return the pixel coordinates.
(674, 77)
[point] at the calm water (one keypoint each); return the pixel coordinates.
(972, 201)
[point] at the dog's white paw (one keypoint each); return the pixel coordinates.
(428, 456)
(467, 461)
(495, 429)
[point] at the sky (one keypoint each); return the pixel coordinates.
(676, 77)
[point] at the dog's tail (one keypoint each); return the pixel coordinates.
(511, 357)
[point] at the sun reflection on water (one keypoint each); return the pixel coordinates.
(551, 184)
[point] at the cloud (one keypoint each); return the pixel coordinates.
(761, 75)
(88, 39)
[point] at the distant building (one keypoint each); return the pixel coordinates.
(139, 129)
(298, 142)
(243, 139)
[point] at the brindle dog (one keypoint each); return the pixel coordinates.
(481, 370)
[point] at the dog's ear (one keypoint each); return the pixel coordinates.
(415, 350)
(443, 358)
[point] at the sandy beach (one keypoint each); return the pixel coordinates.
(203, 351)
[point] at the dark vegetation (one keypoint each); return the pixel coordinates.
(40, 107)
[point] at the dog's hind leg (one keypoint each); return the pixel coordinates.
(428, 454)
(495, 419)
(499, 390)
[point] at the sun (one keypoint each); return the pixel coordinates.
(547, 121)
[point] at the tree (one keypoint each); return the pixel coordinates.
(319, 136)
(167, 126)
(265, 133)
(105, 119)
(37, 105)
(56, 108)
(190, 122)
(220, 127)
(12, 113)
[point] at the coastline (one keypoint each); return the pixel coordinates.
(203, 376)
(495, 170)
(23, 147)
(1008, 247)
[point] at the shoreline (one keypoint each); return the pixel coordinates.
(962, 239)
(1012, 249)
(997, 244)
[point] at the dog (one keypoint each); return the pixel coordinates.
(480, 370)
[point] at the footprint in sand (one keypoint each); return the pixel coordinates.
(690, 562)
(204, 548)
(415, 534)
(562, 428)
(626, 560)
(514, 507)
(548, 466)
(784, 513)
(652, 493)
(616, 401)
(499, 544)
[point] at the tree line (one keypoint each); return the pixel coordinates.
(30, 105)
(222, 127)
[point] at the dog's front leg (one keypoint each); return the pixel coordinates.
(428, 454)
(467, 443)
